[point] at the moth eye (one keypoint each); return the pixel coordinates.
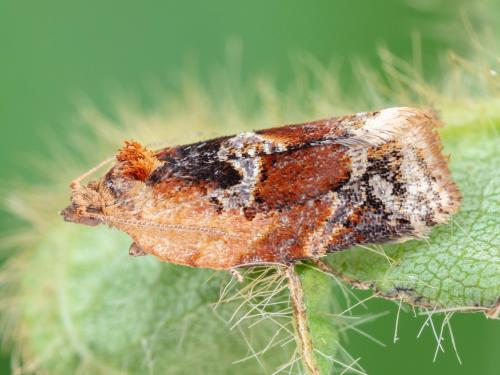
(93, 209)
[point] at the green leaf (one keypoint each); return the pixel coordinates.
(458, 267)
(101, 312)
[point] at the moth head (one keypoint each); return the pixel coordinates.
(86, 206)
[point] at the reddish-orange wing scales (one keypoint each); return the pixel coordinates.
(277, 195)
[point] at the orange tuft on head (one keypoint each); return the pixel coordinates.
(138, 161)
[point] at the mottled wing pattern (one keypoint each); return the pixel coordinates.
(287, 193)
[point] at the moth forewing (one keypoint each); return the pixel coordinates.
(277, 195)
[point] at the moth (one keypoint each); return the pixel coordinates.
(276, 195)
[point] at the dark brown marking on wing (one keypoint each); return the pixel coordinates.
(304, 134)
(197, 162)
(286, 241)
(297, 176)
(362, 217)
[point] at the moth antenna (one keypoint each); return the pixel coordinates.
(179, 227)
(75, 184)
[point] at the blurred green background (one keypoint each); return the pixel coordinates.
(52, 53)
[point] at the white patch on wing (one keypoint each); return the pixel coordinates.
(385, 126)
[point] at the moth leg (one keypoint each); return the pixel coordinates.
(325, 267)
(493, 313)
(236, 274)
(136, 251)
(330, 270)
